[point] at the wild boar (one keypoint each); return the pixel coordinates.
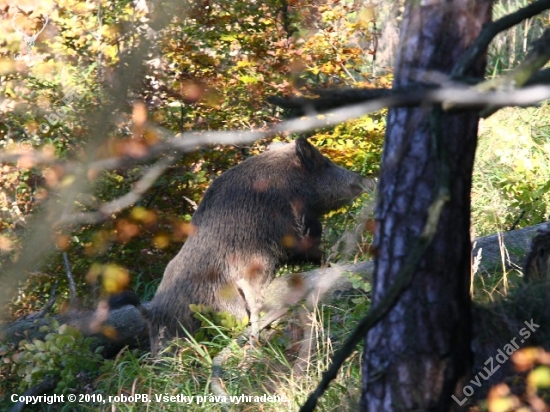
(254, 217)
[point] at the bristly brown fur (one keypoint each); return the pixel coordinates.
(244, 228)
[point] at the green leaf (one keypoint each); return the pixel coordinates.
(540, 377)
(248, 79)
(39, 344)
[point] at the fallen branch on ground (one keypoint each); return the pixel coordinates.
(283, 292)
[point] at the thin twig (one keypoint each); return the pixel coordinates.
(191, 202)
(517, 220)
(70, 280)
(130, 198)
(46, 309)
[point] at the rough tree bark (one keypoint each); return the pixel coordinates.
(417, 354)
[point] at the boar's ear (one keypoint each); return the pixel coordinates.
(308, 154)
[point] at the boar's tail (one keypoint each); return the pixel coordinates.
(128, 297)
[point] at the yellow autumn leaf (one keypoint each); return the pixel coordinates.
(539, 377)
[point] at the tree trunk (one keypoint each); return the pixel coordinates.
(417, 354)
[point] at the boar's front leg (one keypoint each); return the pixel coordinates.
(304, 240)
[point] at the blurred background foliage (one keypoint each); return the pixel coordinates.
(212, 68)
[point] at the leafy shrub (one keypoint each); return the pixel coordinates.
(64, 354)
(512, 171)
(213, 322)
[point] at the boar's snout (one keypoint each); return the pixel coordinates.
(362, 184)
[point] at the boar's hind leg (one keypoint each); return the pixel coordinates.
(252, 307)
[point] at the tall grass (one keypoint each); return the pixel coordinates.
(266, 368)
(512, 170)
(509, 48)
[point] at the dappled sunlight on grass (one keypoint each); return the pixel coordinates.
(512, 170)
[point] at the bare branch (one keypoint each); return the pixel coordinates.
(462, 98)
(282, 294)
(70, 280)
(540, 77)
(130, 198)
(491, 30)
(50, 303)
(537, 58)
(191, 202)
(34, 250)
